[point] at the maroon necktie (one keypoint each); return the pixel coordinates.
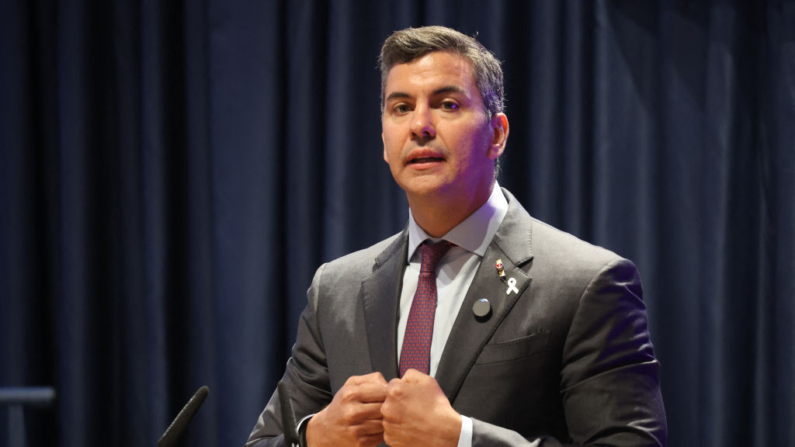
(416, 351)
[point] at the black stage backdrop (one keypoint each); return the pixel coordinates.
(172, 174)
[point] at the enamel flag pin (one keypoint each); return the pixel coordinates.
(500, 269)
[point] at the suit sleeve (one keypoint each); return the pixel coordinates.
(306, 376)
(608, 381)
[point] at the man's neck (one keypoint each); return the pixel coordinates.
(438, 215)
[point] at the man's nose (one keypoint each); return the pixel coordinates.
(422, 123)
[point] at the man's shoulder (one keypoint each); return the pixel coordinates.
(559, 255)
(549, 240)
(549, 244)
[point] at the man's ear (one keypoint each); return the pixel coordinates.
(383, 141)
(500, 127)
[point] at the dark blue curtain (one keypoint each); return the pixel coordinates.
(172, 173)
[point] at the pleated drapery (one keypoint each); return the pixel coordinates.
(172, 174)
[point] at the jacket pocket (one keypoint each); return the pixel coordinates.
(514, 349)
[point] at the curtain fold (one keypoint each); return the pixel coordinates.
(173, 173)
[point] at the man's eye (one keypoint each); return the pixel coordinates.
(401, 108)
(449, 105)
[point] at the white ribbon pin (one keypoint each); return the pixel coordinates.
(512, 286)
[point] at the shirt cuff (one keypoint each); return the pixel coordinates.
(304, 420)
(465, 439)
(300, 428)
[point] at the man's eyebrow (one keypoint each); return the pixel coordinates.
(438, 91)
(394, 95)
(449, 89)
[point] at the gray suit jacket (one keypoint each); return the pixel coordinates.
(567, 359)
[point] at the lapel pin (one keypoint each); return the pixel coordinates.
(500, 268)
(482, 308)
(512, 286)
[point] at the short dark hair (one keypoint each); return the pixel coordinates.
(409, 44)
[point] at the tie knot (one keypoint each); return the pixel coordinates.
(431, 254)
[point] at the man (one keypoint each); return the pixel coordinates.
(497, 330)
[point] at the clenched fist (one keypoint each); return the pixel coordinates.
(417, 413)
(353, 418)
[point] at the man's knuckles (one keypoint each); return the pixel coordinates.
(353, 381)
(353, 414)
(361, 431)
(391, 413)
(395, 391)
(349, 394)
(410, 374)
(375, 377)
(414, 376)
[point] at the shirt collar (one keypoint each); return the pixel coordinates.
(474, 233)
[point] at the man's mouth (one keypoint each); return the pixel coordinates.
(425, 160)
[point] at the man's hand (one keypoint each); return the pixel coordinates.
(417, 413)
(353, 418)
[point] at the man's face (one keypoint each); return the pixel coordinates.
(438, 140)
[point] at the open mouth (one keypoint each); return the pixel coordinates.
(425, 160)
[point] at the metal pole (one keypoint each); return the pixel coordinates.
(16, 398)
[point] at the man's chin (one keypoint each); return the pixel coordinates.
(428, 193)
(426, 189)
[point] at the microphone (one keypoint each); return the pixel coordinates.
(288, 416)
(175, 430)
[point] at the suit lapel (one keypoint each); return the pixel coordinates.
(380, 297)
(512, 243)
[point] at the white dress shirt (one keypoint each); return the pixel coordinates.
(455, 273)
